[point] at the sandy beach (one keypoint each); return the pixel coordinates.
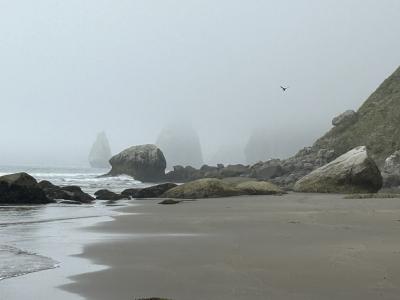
(296, 246)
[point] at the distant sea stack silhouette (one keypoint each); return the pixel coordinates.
(376, 124)
(259, 147)
(100, 153)
(180, 145)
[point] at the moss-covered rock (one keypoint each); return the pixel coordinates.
(202, 188)
(213, 188)
(259, 188)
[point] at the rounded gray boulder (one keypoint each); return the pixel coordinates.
(144, 162)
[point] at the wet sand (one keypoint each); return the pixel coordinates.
(297, 246)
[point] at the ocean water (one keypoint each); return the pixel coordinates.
(34, 239)
(86, 178)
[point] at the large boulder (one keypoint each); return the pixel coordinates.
(352, 172)
(391, 171)
(144, 162)
(344, 119)
(100, 152)
(214, 188)
(21, 188)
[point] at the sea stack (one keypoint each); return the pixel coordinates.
(100, 153)
(180, 145)
(143, 162)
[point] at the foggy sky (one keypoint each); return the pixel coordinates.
(69, 69)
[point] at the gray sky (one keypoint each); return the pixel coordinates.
(69, 69)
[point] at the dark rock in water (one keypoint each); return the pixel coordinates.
(169, 202)
(130, 193)
(155, 191)
(21, 188)
(77, 194)
(180, 145)
(54, 192)
(145, 163)
(100, 153)
(73, 193)
(352, 172)
(391, 171)
(345, 119)
(72, 202)
(105, 194)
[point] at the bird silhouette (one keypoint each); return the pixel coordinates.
(284, 88)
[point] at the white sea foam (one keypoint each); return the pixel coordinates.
(88, 179)
(16, 262)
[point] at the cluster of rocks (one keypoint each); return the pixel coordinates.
(147, 163)
(281, 172)
(21, 188)
(188, 173)
(287, 171)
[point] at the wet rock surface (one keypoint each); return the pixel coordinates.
(21, 188)
(73, 193)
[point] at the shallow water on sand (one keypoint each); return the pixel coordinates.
(43, 237)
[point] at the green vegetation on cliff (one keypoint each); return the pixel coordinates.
(377, 125)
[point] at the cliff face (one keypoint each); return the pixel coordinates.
(377, 124)
(100, 152)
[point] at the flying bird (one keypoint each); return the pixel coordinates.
(284, 88)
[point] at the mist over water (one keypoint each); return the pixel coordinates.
(70, 69)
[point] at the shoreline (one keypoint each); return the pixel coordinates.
(296, 246)
(55, 233)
